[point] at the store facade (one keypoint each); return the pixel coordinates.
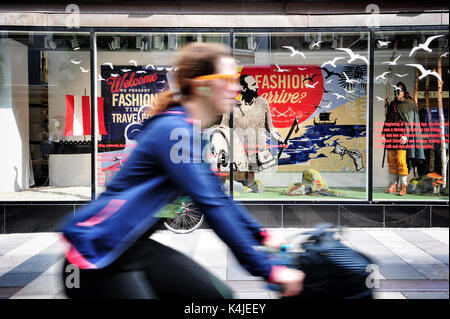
(75, 82)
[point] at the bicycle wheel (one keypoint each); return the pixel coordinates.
(188, 218)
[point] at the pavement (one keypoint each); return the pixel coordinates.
(412, 262)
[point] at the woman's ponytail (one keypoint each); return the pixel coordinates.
(163, 101)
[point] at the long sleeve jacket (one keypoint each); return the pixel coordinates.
(165, 164)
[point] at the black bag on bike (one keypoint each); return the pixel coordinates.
(333, 270)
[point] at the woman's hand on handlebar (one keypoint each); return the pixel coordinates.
(291, 280)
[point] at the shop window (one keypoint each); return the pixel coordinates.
(129, 79)
(300, 125)
(419, 116)
(46, 145)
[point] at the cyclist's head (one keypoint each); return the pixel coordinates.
(206, 70)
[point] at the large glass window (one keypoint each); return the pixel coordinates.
(132, 69)
(300, 124)
(44, 81)
(411, 116)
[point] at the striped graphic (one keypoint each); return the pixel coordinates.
(78, 116)
(112, 207)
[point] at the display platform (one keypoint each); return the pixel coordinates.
(356, 193)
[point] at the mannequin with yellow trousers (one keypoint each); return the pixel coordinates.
(402, 139)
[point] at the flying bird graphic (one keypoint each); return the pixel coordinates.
(75, 62)
(330, 73)
(424, 46)
(109, 64)
(382, 76)
(316, 44)
(392, 62)
(280, 69)
(353, 56)
(383, 44)
(293, 51)
(425, 72)
(133, 61)
(84, 70)
(311, 86)
(332, 62)
(338, 96)
(401, 75)
(311, 78)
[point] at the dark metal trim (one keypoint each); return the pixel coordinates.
(370, 118)
(93, 74)
(224, 29)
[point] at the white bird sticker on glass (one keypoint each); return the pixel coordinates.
(424, 46)
(379, 98)
(84, 70)
(75, 62)
(311, 86)
(316, 45)
(150, 66)
(353, 56)
(338, 96)
(133, 61)
(293, 51)
(401, 75)
(392, 62)
(280, 69)
(382, 76)
(383, 44)
(141, 71)
(332, 62)
(125, 70)
(109, 64)
(425, 72)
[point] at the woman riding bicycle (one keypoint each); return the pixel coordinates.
(109, 238)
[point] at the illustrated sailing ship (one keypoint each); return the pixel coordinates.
(324, 119)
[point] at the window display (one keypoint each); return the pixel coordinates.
(130, 75)
(44, 105)
(301, 115)
(298, 132)
(411, 116)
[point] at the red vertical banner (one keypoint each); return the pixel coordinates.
(101, 117)
(86, 108)
(70, 109)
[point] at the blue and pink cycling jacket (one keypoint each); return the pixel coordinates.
(102, 230)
